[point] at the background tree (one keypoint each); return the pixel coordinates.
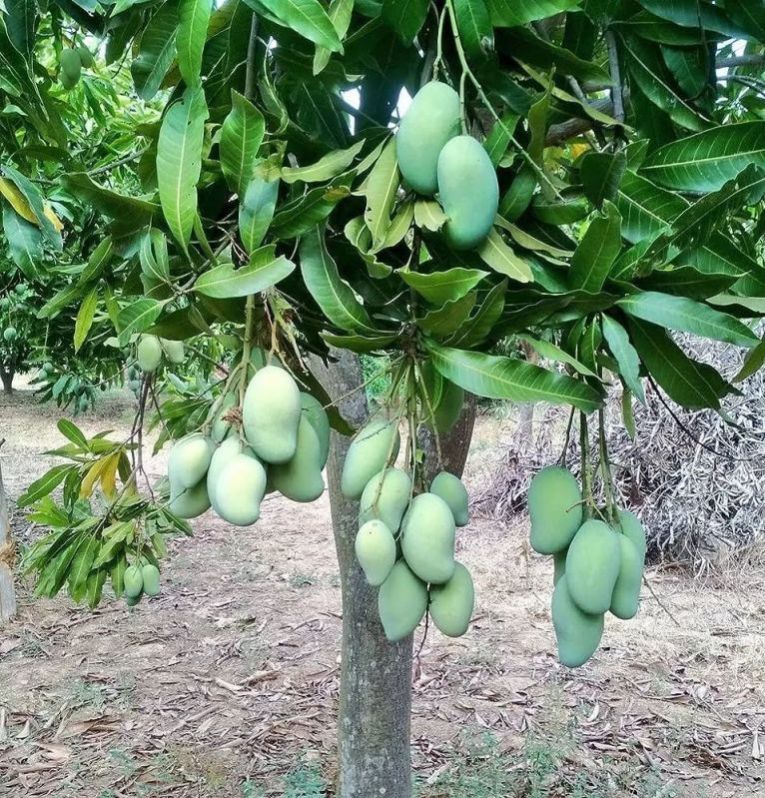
(253, 194)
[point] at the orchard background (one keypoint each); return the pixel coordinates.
(227, 177)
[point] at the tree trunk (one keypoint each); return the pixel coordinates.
(7, 593)
(374, 727)
(7, 379)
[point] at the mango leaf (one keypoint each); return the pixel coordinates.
(646, 209)
(156, 52)
(381, 187)
(629, 363)
(332, 294)
(193, 19)
(752, 362)
(601, 173)
(97, 261)
(179, 162)
(512, 13)
(256, 211)
(73, 433)
(404, 16)
(263, 271)
(325, 168)
(707, 160)
(441, 322)
(85, 317)
(21, 18)
(155, 263)
(36, 203)
(340, 13)
(478, 327)
(597, 251)
(474, 26)
(110, 203)
(300, 215)
(551, 351)
(693, 14)
(499, 256)
(308, 18)
(362, 344)
(240, 139)
(497, 377)
(46, 484)
(685, 381)
(24, 242)
(136, 317)
(687, 315)
(445, 286)
(80, 567)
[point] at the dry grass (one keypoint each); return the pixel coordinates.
(232, 672)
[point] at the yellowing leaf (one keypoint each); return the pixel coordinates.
(17, 201)
(54, 220)
(109, 475)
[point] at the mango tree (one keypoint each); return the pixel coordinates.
(583, 178)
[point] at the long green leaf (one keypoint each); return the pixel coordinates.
(136, 317)
(240, 139)
(179, 162)
(405, 16)
(687, 315)
(110, 203)
(597, 251)
(25, 242)
(193, 17)
(263, 271)
(332, 294)
(44, 485)
(474, 25)
(707, 160)
(646, 209)
(629, 363)
(308, 18)
(325, 168)
(511, 13)
(445, 286)
(497, 377)
(21, 19)
(157, 51)
(256, 210)
(478, 327)
(497, 254)
(340, 13)
(381, 187)
(85, 317)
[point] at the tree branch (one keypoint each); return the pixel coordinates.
(740, 60)
(616, 79)
(571, 128)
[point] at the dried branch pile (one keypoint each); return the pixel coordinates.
(699, 488)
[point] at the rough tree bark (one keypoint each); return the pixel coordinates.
(7, 379)
(374, 726)
(7, 592)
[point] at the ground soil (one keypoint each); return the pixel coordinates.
(232, 673)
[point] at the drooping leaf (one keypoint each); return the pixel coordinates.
(193, 19)
(381, 186)
(256, 211)
(601, 173)
(308, 18)
(646, 209)
(405, 16)
(687, 315)
(497, 377)
(707, 160)
(496, 253)
(551, 351)
(478, 327)
(46, 484)
(475, 28)
(629, 363)
(21, 19)
(179, 162)
(85, 316)
(441, 322)
(240, 139)
(340, 13)
(325, 168)
(597, 251)
(110, 203)
(36, 203)
(157, 51)
(443, 286)
(333, 295)
(264, 270)
(25, 242)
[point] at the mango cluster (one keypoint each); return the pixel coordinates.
(597, 568)
(71, 62)
(405, 543)
(434, 159)
(151, 350)
(281, 444)
(140, 580)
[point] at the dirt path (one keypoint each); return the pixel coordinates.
(231, 674)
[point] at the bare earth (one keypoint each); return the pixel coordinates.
(232, 673)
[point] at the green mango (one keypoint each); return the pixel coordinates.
(189, 502)
(271, 414)
(133, 581)
(300, 478)
(430, 121)
(427, 539)
(559, 565)
(592, 566)
(173, 350)
(469, 192)
(633, 529)
(452, 490)
(451, 604)
(150, 577)
(626, 596)
(10, 334)
(148, 353)
(71, 68)
(132, 601)
(386, 496)
(315, 413)
(86, 57)
(376, 551)
(224, 453)
(555, 508)
(578, 634)
(238, 490)
(374, 446)
(189, 460)
(401, 602)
